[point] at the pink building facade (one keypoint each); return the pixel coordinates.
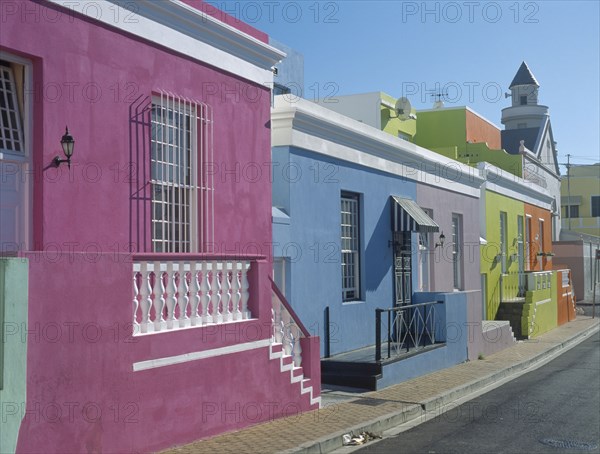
(158, 231)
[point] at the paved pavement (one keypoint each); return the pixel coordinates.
(321, 431)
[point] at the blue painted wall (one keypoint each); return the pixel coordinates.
(451, 323)
(307, 186)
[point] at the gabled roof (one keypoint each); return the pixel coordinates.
(511, 139)
(524, 77)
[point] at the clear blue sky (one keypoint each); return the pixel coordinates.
(470, 49)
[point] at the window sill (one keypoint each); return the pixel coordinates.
(353, 302)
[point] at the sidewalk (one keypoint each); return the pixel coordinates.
(321, 431)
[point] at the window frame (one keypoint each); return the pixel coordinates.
(175, 159)
(23, 158)
(503, 241)
(18, 111)
(595, 208)
(568, 209)
(354, 292)
(425, 241)
(457, 253)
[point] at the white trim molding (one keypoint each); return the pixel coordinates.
(505, 183)
(195, 356)
(188, 31)
(307, 125)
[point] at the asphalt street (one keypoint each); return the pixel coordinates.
(553, 409)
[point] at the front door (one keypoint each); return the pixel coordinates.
(402, 268)
(521, 255)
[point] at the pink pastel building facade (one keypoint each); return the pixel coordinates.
(151, 318)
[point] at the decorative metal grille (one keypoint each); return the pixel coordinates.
(182, 185)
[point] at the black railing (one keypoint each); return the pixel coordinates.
(408, 327)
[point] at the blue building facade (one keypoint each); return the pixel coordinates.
(323, 163)
(308, 187)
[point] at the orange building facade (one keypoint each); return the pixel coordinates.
(538, 239)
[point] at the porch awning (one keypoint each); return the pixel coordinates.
(407, 216)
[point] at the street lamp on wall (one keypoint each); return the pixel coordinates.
(68, 143)
(441, 240)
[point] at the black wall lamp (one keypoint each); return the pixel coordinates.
(442, 238)
(68, 143)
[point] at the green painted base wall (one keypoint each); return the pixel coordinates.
(13, 348)
(541, 318)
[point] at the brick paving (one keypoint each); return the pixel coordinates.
(319, 430)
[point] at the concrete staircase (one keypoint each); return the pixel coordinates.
(296, 374)
(513, 312)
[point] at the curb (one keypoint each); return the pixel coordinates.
(333, 441)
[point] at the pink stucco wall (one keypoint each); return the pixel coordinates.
(91, 78)
(82, 392)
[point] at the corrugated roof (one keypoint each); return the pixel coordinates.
(409, 217)
(524, 76)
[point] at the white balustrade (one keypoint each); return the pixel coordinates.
(539, 280)
(286, 331)
(182, 294)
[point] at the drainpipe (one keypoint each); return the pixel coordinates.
(326, 334)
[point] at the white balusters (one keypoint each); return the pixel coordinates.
(136, 292)
(244, 291)
(217, 316)
(182, 296)
(171, 297)
(195, 297)
(214, 291)
(226, 296)
(235, 292)
(276, 320)
(296, 348)
(205, 289)
(146, 297)
(285, 330)
(159, 300)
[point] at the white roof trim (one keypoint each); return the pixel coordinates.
(510, 185)
(312, 127)
(186, 30)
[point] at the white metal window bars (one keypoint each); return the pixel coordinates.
(456, 251)
(11, 131)
(350, 247)
(181, 155)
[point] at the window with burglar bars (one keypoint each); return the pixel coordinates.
(182, 189)
(11, 131)
(457, 241)
(350, 247)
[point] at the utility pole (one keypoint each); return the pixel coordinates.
(569, 189)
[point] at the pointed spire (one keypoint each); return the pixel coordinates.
(524, 76)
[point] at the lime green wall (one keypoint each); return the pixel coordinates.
(542, 317)
(393, 125)
(442, 128)
(480, 152)
(13, 348)
(490, 264)
(444, 131)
